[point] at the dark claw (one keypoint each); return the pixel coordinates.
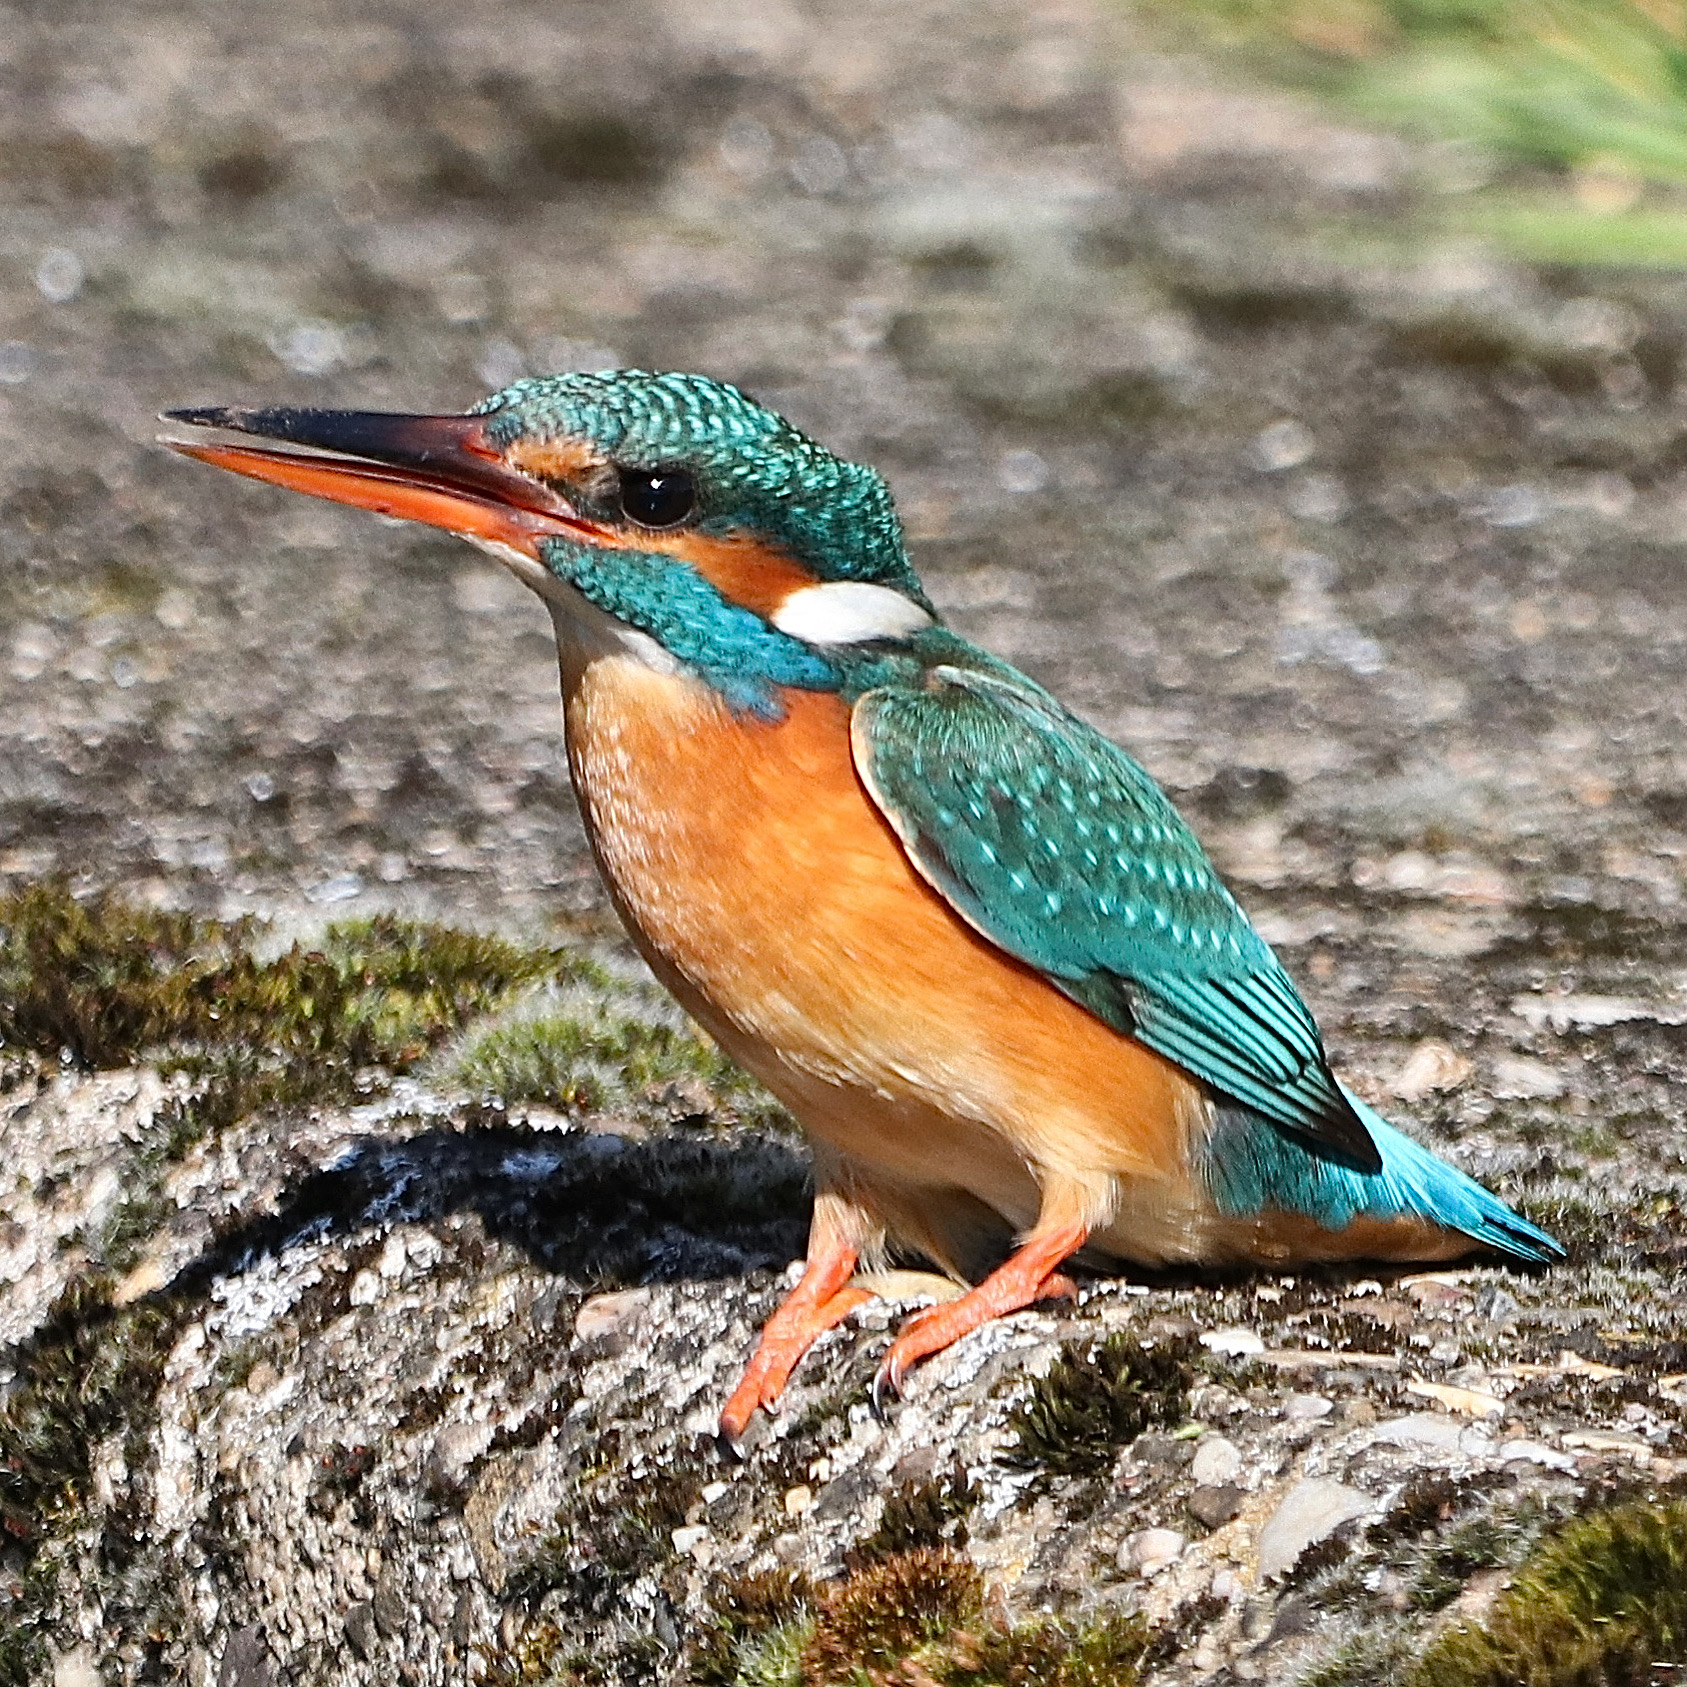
(886, 1388)
(730, 1450)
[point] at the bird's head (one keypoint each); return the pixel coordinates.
(672, 503)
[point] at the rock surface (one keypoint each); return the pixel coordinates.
(1375, 560)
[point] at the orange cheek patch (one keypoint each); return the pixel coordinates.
(567, 460)
(742, 570)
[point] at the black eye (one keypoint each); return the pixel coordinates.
(658, 497)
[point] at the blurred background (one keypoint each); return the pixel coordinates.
(1296, 388)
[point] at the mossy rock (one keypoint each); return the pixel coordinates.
(1601, 1604)
(113, 983)
(889, 1610)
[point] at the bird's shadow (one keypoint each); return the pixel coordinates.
(597, 1210)
(600, 1210)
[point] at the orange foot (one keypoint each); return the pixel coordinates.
(821, 1300)
(1030, 1275)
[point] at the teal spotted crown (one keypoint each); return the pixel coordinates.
(755, 472)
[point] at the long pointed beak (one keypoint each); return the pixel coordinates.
(441, 470)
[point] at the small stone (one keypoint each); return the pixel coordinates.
(1307, 1408)
(798, 1499)
(1170, 1326)
(17, 362)
(1533, 1452)
(146, 1277)
(1521, 1079)
(1436, 1292)
(1430, 1068)
(361, 1631)
(465, 1611)
(392, 1260)
(76, 1669)
(1235, 1342)
(1497, 1305)
(454, 1450)
(245, 1660)
(365, 1289)
(1312, 1511)
(1317, 497)
(342, 887)
(175, 610)
(1214, 1506)
(1158, 1448)
(688, 1539)
(59, 275)
(262, 1378)
(1022, 471)
(1467, 1402)
(1151, 1551)
(1227, 1584)
(602, 1315)
(1429, 1431)
(1295, 1617)
(391, 1603)
(1480, 1592)
(1283, 445)
(512, 1625)
(1216, 1461)
(1391, 1314)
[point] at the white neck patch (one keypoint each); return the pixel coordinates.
(580, 624)
(849, 612)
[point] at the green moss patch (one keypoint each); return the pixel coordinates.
(916, 1619)
(602, 1541)
(919, 1514)
(592, 1049)
(755, 1630)
(111, 983)
(1602, 1601)
(91, 1370)
(105, 983)
(89, 1373)
(1094, 1399)
(1108, 1652)
(888, 1610)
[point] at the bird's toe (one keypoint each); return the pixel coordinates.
(887, 1388)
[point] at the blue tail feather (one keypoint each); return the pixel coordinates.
(1251, 1167)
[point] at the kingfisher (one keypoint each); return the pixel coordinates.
(963, 937)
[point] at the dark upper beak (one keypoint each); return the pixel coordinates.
(441, 470)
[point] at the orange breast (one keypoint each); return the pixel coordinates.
(769, 893)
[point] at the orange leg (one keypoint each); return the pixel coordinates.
(821, 1300)
(1031, 1274)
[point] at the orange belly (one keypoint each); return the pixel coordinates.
(769, 894)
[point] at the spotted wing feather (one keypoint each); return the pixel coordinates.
(1054, 844)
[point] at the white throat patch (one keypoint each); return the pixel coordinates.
(849, 612)
(581, 627)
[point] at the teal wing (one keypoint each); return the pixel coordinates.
(1054, 844)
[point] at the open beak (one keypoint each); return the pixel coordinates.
(441, 470)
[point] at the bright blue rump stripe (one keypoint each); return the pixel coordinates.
(1251, 1166)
